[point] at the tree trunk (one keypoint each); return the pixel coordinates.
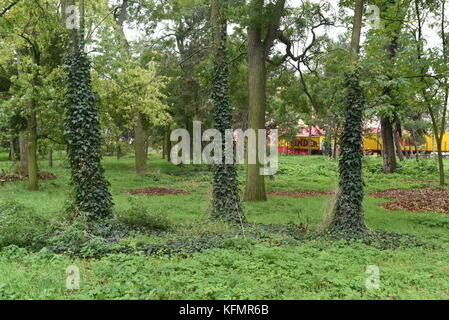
(398, 146)
(309, 142)
(415, 145)
(50, 158)
(23, 152)
(440, 162)
(334, 149)
(119, 151)
(12, 152)
(32, 150)
(139, 145)
(388, 151)
(167, 144)
(255, 182)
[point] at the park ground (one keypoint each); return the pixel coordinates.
(170, 249)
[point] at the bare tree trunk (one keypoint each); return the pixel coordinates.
(168, 143)
(12, 152)
(398, 146)
(32, 149)
(415, 145)
(139, 145)
(23, 152)
(309, 142)
(334, 150)
(255, 182)
(388, 151)
(119, 149)
(50, 158)
(440, 162)
(258, 50)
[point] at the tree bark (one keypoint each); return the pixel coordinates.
(23, 152)
(388, 150)
(258, 50)
(139, 145)
(440, 162)
(12, 152)
(255, 183)
(33, 183)
(50, 158)
(309, 142)
(397, 143)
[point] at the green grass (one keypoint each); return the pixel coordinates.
(242, 268)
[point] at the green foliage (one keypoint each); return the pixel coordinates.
(21, 226)
(82, 128)
(203, 259)
(141, 216)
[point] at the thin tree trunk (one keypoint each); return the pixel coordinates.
(415, 145)
(12, 152)
(309, 142)
(119, 149)
(440, 162)
(334, 149)
(139, 145)
(33, 183)
(50, 158)
(398, 146)
(23, 152)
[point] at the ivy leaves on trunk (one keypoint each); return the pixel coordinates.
(226, 204)
(82, 128)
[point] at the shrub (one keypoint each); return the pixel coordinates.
(70, 238)
(141, 216)
(21, 226)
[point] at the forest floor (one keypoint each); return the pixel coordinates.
(162, 245)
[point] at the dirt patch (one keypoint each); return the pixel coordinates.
(156, 191)
(18, 176)
(300, 193)
(429, 199)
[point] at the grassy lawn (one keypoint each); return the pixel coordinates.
(222, 261)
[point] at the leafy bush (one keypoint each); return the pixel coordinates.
(141, 216)
(70, 238)
(419, 168)
(21, 226)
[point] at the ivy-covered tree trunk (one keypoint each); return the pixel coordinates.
(226, 203)
(347, 215)
(92, 198)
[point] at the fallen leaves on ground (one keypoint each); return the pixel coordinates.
(429, 199)
(18, 176)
